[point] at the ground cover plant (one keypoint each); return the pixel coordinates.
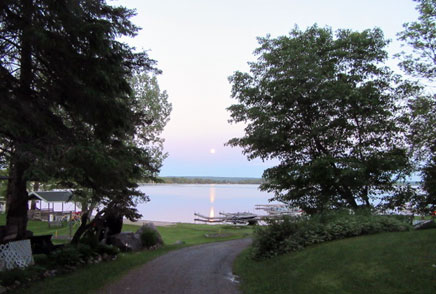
(289, 234)
(383, 263)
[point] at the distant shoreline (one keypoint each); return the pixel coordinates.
(141, 222)
(210, 180)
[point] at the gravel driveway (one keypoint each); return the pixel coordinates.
(202, 269)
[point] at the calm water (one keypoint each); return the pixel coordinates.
(177, 203)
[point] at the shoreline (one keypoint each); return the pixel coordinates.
(141, 222)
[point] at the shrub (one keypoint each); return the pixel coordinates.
(107, 249)
(42, 259)
(149, 237)
(86, 251)
(291, 234)
(9, 277)
(68, 255)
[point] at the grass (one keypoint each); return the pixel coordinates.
(90, 278)
(41, 228)
(193, 234)
(379, 264)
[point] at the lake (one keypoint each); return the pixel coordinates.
(178, 202)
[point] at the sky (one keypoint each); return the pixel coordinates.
(198, 44)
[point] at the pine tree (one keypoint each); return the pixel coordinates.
(65, 98)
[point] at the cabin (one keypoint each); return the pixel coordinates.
(52, 206)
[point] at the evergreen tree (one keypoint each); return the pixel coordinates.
(65, 98)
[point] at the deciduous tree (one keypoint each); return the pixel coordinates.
(420, 36)
(325, 106)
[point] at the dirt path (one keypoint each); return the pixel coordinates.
(203, 269)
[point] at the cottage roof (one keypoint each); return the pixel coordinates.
(51, 196)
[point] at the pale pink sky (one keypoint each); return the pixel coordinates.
(199, 43)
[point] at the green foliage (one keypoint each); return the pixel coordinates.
(85, 251)
(428, 202)
(57, 260)
(292, 234)
(68, 111)
(149, 237)
(68, 255)
(326, 107)
(152, 107)
(420, 36)
(107, 249)
(10, 277)
(3, 183)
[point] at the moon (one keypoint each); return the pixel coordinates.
(212, 151)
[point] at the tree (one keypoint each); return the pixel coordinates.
(325, 107)
(65, 98)
(151, 110)
(420, 36)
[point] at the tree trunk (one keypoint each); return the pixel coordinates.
(82, 228)
(16, 219)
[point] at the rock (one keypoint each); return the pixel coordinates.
(424, 224)
(126, 241)
(150, 226)
(179, 242)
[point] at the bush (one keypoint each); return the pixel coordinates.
(86, 251)
(68, 255)
(290, 234)
(149, 237)
(107, 249)
(42, 260)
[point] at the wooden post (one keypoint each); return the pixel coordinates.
(71, 224)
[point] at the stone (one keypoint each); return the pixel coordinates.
(424, 224)
(150, 226)
(126, 241)
(179, 242)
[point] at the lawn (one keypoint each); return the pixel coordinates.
(379, 264)
(41, 228)
(93, 277)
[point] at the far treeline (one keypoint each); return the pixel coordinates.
(209, 180)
